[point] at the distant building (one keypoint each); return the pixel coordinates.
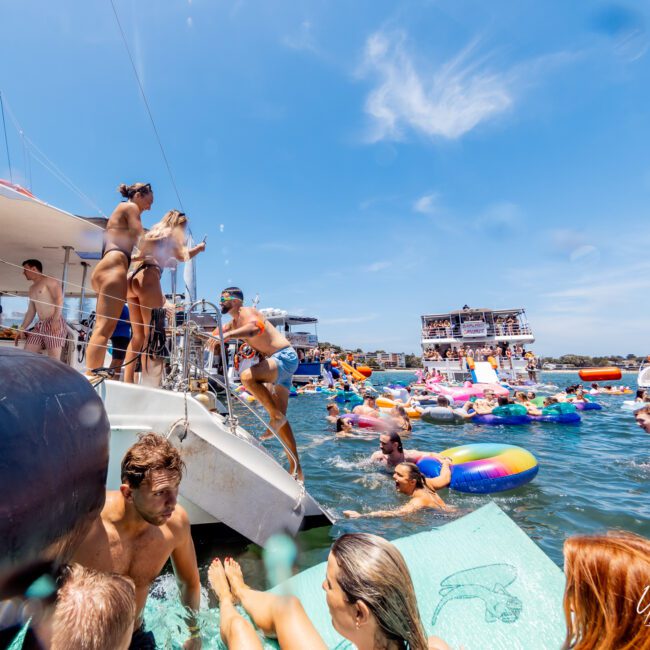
(391, 359)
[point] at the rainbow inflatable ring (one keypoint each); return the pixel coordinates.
(485, 467)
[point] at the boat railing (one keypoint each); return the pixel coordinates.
(189, 365)
(492, 330)
(457, 365)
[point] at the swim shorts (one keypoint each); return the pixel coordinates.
(119, 344)
(48, 334)
(142, 640)
(287, 362)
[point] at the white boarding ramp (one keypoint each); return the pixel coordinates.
(485, 373)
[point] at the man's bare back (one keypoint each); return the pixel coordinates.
(112, 548)
(268, 341)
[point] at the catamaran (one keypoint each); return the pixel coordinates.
(444, 333)
(231, 478)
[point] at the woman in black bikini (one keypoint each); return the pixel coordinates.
(163, 243)
(108, 279)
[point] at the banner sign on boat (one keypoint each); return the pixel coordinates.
(302, 339)
(473, 328)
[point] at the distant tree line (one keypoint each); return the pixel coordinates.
(582, 361)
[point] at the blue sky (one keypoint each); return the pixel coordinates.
(367, 161)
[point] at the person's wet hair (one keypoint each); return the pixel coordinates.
(415, 474)
(503, 400)
(37, 264)
(152, 452)
(330, 407)
(373, 571)
(340, 423)
(395, 438)
(442, 401)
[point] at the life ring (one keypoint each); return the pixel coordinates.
(507, 414)
(387, 404)
(484, 468)
(245, 351)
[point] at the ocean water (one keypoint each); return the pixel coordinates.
(592, 477)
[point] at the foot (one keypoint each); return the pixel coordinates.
(235, 577)
(274, 426)
(218, 580)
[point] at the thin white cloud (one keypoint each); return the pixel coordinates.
(447, 102)
(303, 40)
(427, 204)
(190, 22)
(377, 266)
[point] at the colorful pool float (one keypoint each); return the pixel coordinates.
(484, 468)
(366, 422)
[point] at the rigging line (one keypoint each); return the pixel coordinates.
(4, 126)
(146, 103)
(55, 171)
(49, 165)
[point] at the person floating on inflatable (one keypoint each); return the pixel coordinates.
(276, 368)
(410, 481)
(392, 453)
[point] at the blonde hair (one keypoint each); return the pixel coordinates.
(606, 576)
(166, 234)
(94, 610)
(373, 570)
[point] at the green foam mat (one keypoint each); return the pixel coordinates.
(480, 583)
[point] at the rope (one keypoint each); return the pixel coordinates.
(146, 103)
(4, 126)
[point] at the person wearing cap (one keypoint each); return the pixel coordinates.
(269, 380)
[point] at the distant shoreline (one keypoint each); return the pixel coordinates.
(577, 370)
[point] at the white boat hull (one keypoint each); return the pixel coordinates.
(229, 478)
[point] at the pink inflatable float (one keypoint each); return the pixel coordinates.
(467, 390)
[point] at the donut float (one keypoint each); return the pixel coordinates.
(484, 468)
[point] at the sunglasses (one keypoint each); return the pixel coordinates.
(145, 189)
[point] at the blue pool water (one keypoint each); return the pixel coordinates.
(593, 476)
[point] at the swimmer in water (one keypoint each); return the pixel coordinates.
(642, 417)
(344, 429)
(410, 481)
(369, 406)
(333, 413)
(392, 453)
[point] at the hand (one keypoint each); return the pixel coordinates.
(200, 247)
(352, 514)
(213, 343)
(193, 643)
(20, 334)
(170, 309)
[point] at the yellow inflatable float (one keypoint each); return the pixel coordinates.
(386, 404)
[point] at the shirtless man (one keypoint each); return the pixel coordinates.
(333, 413)
(270, 379)
(45, 301)
(410, 481)
(485, 405)
(141, 527)
(392, 453)
(369, 406)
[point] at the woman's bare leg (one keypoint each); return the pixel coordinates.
(111, 296)
(137, 341)
(236, 632)
(146, 287)
(280, 616)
